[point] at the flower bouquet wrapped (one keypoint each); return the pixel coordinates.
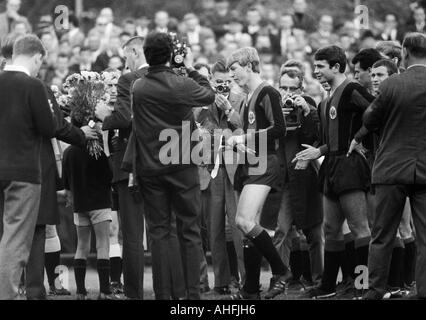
(84, 92)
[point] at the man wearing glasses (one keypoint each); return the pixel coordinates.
(301, 201)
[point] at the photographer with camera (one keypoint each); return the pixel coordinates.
(218, 197)
(162, 103)
(301, 202)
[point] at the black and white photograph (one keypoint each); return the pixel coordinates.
(225, 151)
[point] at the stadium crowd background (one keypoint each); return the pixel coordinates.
(280, 30)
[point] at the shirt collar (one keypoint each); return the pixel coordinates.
(417, 65)
(145, 65)
(14, 68)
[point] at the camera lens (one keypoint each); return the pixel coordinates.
(220, 89)
(289, 103)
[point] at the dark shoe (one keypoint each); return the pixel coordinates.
(222, 290)
(346, 289)
(53, 291)
(109, 296)
(318, 293)
(372, 295)
(22, 290)
(242, 295)
(235, 284)
(358, 294)
(277, 285)
(81, 296)
(117, 288)
(296, 285)
(204, 289)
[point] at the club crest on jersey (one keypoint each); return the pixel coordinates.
(333, 113)
(251, 117)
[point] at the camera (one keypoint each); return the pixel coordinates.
(223, 89)
(179, 51)
(294, 119)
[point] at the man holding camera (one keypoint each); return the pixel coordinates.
(162, 126)
(301, 202)
(219, 196)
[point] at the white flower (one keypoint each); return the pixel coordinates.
(54, 89)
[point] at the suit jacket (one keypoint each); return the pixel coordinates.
(48, 210)
(121, 119)
(4, 24)
(399, 113)
(209, 119)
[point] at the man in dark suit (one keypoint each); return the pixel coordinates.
(218, 197)
(399, 170)
(131, 212)
(163, 103)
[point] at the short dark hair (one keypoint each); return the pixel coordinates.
(124, 33)
(293, 74)
(333, 55)
(367, 57)
(390, 49)
(158, 48)
(129, 21)
(415, 44)
(292, 64)
(7, 45)
(389, 64)
(28, 45)
(219, 66)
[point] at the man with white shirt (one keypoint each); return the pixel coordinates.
(131, 212)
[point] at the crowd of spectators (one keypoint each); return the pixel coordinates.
(292, 33)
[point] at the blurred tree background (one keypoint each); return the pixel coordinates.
(340, 9)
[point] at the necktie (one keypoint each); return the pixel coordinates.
(105, 143)
(217, 160)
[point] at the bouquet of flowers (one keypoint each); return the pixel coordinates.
(84, 92)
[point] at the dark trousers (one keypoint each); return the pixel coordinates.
(390, 201)
(221, 202)
(178, 191)
(314, 236)
(132, 227)
(34, 272)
